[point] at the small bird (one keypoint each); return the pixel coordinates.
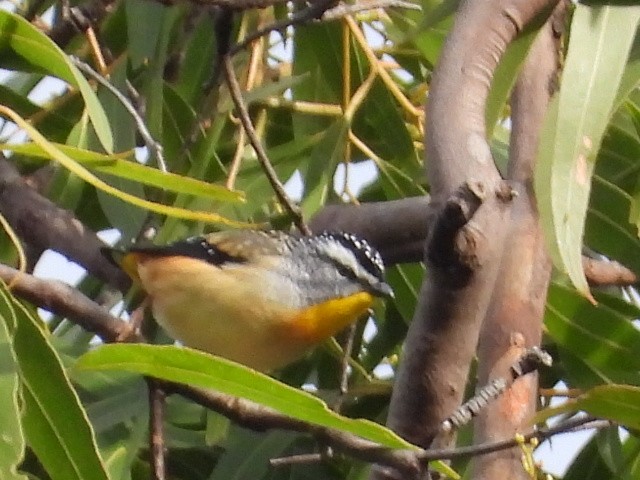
(259, 298)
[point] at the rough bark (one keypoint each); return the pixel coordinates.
(42, 224)
(514, 318)
(455, 294)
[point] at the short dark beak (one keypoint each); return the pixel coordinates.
(384, 290)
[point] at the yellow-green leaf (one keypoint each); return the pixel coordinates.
(196, 368)
(43, 54)
(122, 166)
(56, 154)
(601, 38)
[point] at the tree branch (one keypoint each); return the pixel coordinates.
(514, 318)
(444, 332)
(396, 228)
(529, 362)
(607, 272)
(61, 299)
(41, 223)
(156, 428)
(64, 300)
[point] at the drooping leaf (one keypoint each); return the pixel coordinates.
(39, 51)
(199, 369)
(87, 176)
(602, 336)
(122, 166)
(12, 442)
(607, 228)
(55, 423)
(618, 403)
(601, 38)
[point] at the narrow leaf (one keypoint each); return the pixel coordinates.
(602, 336)
(121, 167)
(601, 38)
(56, 154)
(196, 368)
(12, 442)
(56, 425)
(618, 403)
(38, 50)
(324, 159)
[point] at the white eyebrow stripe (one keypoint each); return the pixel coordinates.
(346, 258)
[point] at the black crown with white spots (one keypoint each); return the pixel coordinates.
(366, 255)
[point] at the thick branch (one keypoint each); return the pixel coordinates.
(514, 318)
(607, 272)
(444, 331)
(61, 299)
(42, 224)
(397, 228)
(457, 148)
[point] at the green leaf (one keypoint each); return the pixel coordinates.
(406, 281)
(198, 61)
(74, 167)
(196, 368)
(144, 27)
(318, 180)
(608, 230)
(601, 38)
(12, 441)
(39, 51)
(618, 403)
(55, 423)
(602, 336)
(238, 463)
(618, 159)
(121, 167)
(631, 76)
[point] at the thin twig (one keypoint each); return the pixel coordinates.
(321, 10)
(301, 106)
(344, 366)
(570, 426)
(154, 147)
(92, 39)
(342, 10)
(302, 459)
(527, 363)
(243, 113)
(382, 73)
(61, 299)
(156, 428)
(255, 58)
(312, 12)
